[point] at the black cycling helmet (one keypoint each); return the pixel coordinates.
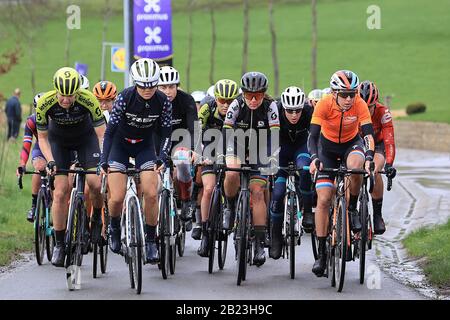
(254, 82)
(369, 92)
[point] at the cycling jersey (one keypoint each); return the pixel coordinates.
(133, 121)
(76, 121)
(383, 128)
(30, 131)
(340, 126)
(209, 116)
(294, 133)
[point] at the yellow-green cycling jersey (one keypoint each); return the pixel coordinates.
(81, 117)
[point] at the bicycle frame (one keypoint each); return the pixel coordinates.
(167, 184)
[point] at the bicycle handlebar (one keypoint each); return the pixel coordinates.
(19, 178)
(389, 184)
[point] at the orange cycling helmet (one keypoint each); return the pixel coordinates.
(105, 90)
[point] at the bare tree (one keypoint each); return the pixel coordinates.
(189, 53)
(245, 38)
(274, 49)
(314, 44)
(27, 18)
(213, 43)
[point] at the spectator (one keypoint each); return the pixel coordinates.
(13, 112)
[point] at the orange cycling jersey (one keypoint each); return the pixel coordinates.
(384, 130)
(340, 126)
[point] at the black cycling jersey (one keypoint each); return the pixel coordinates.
(184, 116)
(135, 119)
(76, 121)
(209, 116)
(295, 133)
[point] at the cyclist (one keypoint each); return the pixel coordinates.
(129, 133)
(184, 116)
(384, 148)
(211, 116)
(69, 119)
(334, 135)
(84, 82)
(198, 97)
(37, 158)
(314, 96)
(252, 110)
(295, 117)
(105, 92)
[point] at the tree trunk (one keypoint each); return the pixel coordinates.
(67, 50)
(274, 50)
(245, 39)
(213, 44)
(314, 45)
(106, 16)
(33, 70)
(189, 53)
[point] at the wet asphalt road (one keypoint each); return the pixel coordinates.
(271, 281)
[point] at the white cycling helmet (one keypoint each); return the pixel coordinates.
(315, 94)
(198, 96)
(37, 97)
(145, 72)
(344, 80)
(84, 82)
(292, 98)
(326, 91)
(210, 91)
(169, 75)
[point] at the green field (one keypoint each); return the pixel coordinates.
(433, 244)
(407, 57)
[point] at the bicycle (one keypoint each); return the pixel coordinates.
(132, 229)
(77, 235)
(292, 230)
(101, 248)
(44, 235)
(216, 232)
(339, 238)
(364, 239)
(243, 223)
(168, 225)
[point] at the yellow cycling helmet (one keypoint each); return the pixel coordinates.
(226, 89)
(66, 81)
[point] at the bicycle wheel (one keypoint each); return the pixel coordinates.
(72, 231)
(50, 244)
(39, 228)
(363, 211)
(340, 252)
(213, 229)
(173, 237)
(94, 260)
(164, 236)
(105, 242)
(181, 240)
(136, 244)
(242, 238)
(314, 244)
(292, 213)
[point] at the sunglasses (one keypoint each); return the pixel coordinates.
(347, 94)
(292, 111)
(251, 95)
(224, 101)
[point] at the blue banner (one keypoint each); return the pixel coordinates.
(152, 29)
(81, 68)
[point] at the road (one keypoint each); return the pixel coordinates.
(271, 281)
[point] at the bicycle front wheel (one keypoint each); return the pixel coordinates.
(136, 244)
(39, 228)
(341, 247)
(242, 237)
(213, 229)
(164, 233)
(364, 214)
(292, 213)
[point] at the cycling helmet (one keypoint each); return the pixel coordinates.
(145, 72)
(326, 91)
(169, 75)
(105, 90)
(37, 97)
(254, 82)
(369, 92)
(198, 96)
(66, 81)
(210, 91)
(315, 95)
(84, 82)
(226, 89)
(292, 98)
(344, 80)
